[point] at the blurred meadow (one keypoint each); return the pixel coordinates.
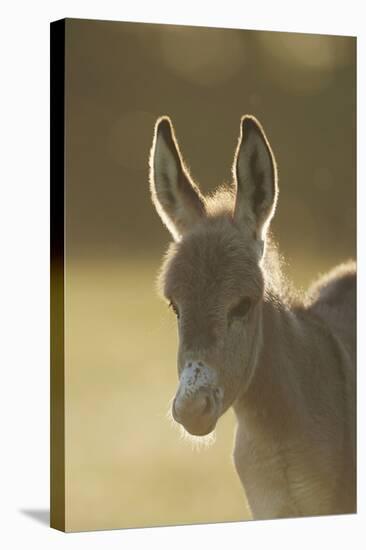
(126, 464)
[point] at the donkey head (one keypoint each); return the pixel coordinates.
(212, 276)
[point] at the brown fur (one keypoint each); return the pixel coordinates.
(287, 367)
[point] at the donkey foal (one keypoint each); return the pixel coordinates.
(286, 366)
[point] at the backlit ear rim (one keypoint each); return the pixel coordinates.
(177, 199)
(255, 175)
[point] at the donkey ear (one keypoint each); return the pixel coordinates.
(176, 198)
(255, 174)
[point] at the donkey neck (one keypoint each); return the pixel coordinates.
(294, 359)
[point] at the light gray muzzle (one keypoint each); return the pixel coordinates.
(197, 404)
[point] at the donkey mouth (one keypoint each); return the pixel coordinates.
(197, 415)
(200, 430)
(199, 426)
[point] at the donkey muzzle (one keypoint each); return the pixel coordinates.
(197, 403)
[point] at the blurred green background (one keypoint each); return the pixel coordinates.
(126, 465)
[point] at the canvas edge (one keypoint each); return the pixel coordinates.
(57, 257)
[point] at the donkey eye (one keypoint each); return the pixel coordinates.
(173, 306)
(241, 309)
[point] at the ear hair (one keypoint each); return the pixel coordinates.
(177, 199)
(255, 175)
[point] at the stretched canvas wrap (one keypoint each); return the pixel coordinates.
(203, 276)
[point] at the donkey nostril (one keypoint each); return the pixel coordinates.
(217, 393)
(207, 406)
